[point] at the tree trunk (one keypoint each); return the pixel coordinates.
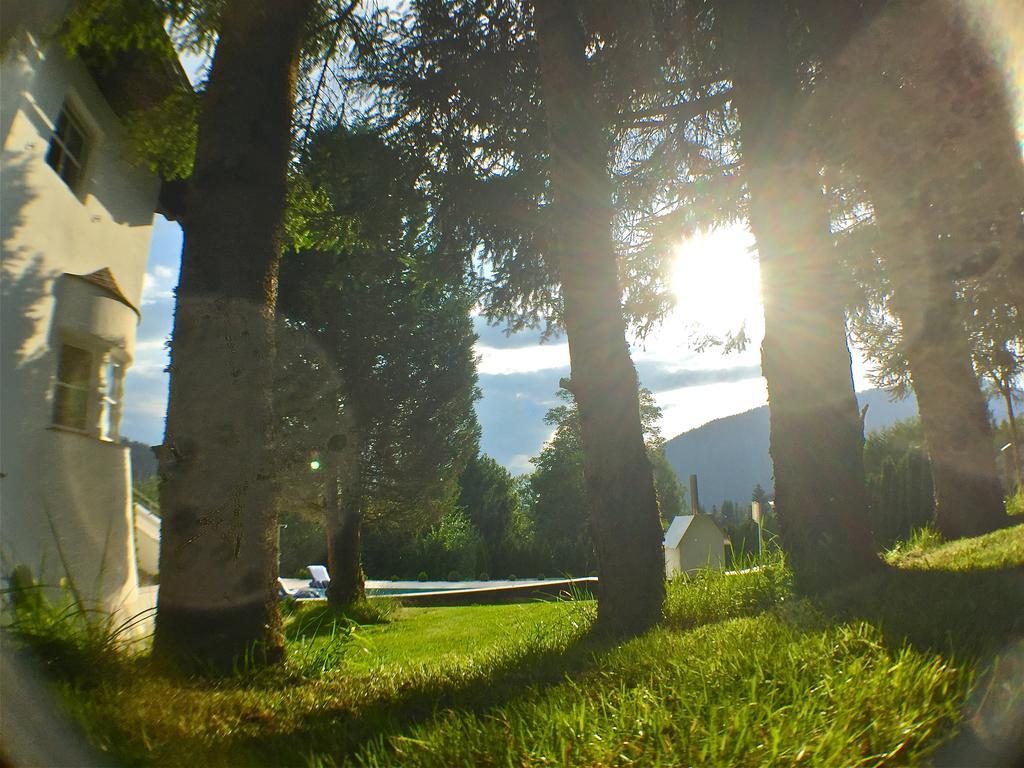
(625, 527)
(1006, 388)
(953, 409)
(218, 552)
(817, 438)
(343, 502)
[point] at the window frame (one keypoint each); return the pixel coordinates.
(103, 390)
(71, 116)
(85, 388)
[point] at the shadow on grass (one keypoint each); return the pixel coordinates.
(384, 704)
(972, 617)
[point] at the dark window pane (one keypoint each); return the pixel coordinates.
(62, 124)
(70, 407)
(54, 155)
(74, 142)
(71, 173)
(75, 366)
(67, 149)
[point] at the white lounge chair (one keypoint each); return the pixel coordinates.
(318, 576)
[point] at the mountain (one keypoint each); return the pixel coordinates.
(730, 455)
(144, 463)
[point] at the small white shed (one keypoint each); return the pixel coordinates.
(693, 542)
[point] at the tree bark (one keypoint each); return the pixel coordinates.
(625, 527)
(343, 502)
(1006, 389)
(817, 437)
(218, 553)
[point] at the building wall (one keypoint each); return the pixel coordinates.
(702, 546)
(65, 498)
(673, 563)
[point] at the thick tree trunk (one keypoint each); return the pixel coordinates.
(817, 437)
(620, 486)
(1011, 419)
(343, 502)
(942, 164)
(218, 556)
(953, 409)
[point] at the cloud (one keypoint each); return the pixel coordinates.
(158, 285)
(145, 404)
(522, 359)
(495, 336)
(689, 407)
(511, 414)
(660, 377)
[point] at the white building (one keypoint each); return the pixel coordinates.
(75, 223)
(693, 542)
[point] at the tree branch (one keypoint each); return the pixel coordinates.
(676, 113)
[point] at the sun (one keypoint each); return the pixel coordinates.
(717, 282)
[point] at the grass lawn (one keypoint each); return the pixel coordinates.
(923, 663)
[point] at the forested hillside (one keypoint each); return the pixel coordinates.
(730, 455)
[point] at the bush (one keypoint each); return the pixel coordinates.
(421, 576)
(72, 641)
(454, 576)
(1015, 502)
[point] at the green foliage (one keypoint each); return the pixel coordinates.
(1015, 502)
(161, 127)
(459, 89)
(899, 482)
(163, 137)
(375, 347)
(303, 540)
(111, 27)
(671, 495)
(149, 488)
(558, 504)
(488, 495)
(760, 496)
(453, 545)
(71, 640)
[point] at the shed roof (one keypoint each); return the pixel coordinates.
(677, 530)
(104, 280)
(680, 525)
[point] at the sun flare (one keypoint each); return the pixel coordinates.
(717, 282)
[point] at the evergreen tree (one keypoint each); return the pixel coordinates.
(816, 438)
(488, 496)
(507, 108)
(394, 345)
(559, 507)
(945, 185)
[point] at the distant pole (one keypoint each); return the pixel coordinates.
(755, 513)
(694, 501)
(280, 527)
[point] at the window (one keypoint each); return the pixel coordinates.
(66, 154)
(89, 390)
(71, 396)
(111, 386)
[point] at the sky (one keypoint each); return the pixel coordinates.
(716, 284)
